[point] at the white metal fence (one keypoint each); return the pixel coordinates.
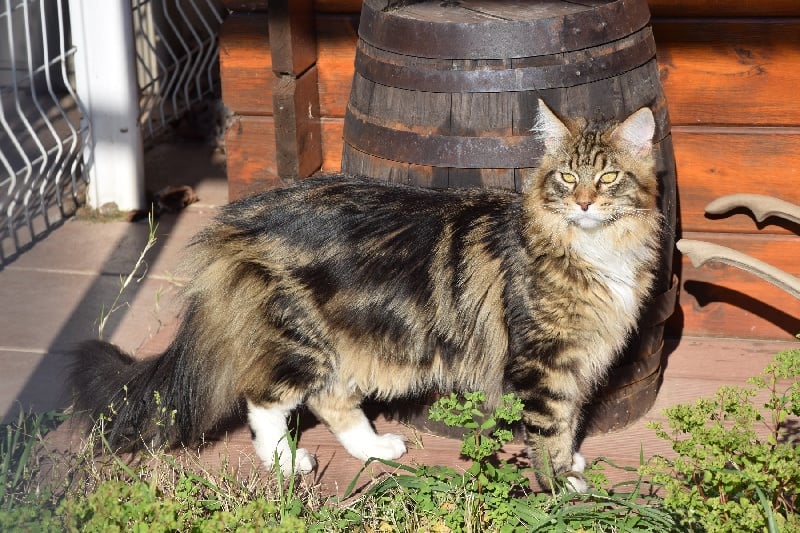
(42, 171)
(176, 58)
(52, 85)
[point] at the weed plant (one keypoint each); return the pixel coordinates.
(23, 497)
(727, 476)
(133, 276)
(494, 494)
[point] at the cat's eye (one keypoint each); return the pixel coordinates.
(568, 178)
(608, 177)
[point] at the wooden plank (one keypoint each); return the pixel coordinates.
(730, 72)
(245, 64)
(332, 143)
(337, 38)
(245, 6)
(724, 8)
(423, 113)
(723, 301)
(297, 127)
(361, 163)
(712, 162)
(740, 359)
(481, 177)
(250, 148)
(337, 6)
(482, 114)
(293, 41)
(714, 72)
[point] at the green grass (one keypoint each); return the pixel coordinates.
(161, 491)
(719, 480)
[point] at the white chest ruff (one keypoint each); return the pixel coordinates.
(614, 268)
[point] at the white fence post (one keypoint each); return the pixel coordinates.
(105, 76)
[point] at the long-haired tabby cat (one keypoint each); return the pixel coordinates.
(341, 288)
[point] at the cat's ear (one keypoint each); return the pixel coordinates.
(636, 132)
(550, 128)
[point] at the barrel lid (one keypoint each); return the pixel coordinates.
(497, 29)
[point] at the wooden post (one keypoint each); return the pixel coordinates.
(246, 72)
(269, 80)
(295, 94)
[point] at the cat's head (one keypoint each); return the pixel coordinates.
(592, 175)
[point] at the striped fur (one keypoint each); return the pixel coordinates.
(339, 288)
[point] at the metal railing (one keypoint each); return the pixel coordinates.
(42, 170)
(47, 140)
(176, 58)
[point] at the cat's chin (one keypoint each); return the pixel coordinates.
(589, 223)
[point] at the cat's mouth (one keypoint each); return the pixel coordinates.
(590, 218)
(594, 217)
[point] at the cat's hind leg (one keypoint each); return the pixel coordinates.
(340, 411)
(271, 438)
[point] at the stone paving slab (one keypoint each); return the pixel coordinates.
(52, 295)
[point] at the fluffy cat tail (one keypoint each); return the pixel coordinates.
(154, 402)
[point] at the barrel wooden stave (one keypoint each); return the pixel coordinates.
(483, 131)
(487, 29)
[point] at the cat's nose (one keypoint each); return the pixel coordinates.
(585, 205)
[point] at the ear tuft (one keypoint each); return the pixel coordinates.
(636, 132)
(550, 128)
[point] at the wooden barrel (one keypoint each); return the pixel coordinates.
(445, 95)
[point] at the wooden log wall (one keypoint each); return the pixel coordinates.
(730, 70)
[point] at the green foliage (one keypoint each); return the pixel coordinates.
(17, 442)
(193, 505)
(441, 497)
(24, 499)
(493, 494)
(735, 470)
(487, 434)
(82, 491)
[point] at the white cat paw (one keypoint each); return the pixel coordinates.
(271, 440)
(363, 443)
(575, 483)
(304, 462)
(578, 462)
(387, 446)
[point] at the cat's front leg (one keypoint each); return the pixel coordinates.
(550, 436)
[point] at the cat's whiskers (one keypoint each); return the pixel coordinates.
(640, 213)
(558, 208)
